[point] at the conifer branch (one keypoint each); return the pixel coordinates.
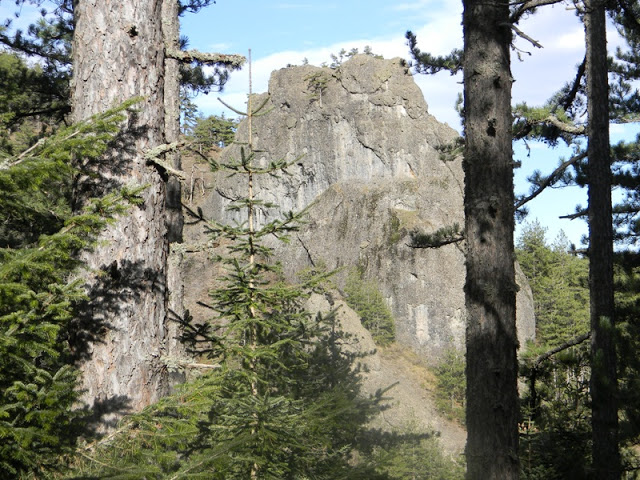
(429, 64)
(568, 344)
(527, 6)
(550, 179)
(87, 127)
(568, 99)
(441, 237)
(578, 214)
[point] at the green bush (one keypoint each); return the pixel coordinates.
(364, 297)
(451, 385)
(416, 455)
(213, 131)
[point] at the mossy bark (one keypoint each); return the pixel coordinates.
(118, 54)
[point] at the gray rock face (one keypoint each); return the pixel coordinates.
(369, 164)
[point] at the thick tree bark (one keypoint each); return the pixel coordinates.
(171, 33)
(118, 53)
(606, 455)
(175, 218)
(492, 397)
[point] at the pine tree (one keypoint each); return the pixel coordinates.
(555, 427)
(289, 410)
(40, 294)
(604, 378)
(558, 281)
(212, 131)
(365, 298)
(492, 398)
(490, 289)
(281, 398)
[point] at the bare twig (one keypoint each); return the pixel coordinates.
(564, 127)
(527, 6)
(520, 33)
(551, 179)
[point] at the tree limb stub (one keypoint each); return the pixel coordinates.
(565, 127)
(188, 56)
(153, 156)
(521, 34)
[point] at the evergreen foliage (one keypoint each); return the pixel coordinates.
(559, 282)
(342, 55)
(282, 399)
(555, 429)
(212, 131)
(430, 64)
(418, 457)
(443, 236)
(48, 41)
(39, 415)
(451, 385)
(316, 84)
(364, 297)
(29, 104)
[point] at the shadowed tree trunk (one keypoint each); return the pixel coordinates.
(604, 418)
(492, 397)
(118, 53)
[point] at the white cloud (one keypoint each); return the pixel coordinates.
(439, 37)
(537, 77)
(420, 5)
(219, 47)
(571, 40)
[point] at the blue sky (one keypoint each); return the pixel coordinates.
(281, 33)
(286, 32)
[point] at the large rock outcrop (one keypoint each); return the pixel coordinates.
(365, 153)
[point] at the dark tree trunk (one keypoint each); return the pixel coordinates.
(492, 396)
(175, 218)
(118, 53)
(606, 456)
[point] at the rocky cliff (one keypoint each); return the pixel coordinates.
(365, 155)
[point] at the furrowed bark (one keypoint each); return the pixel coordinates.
(492, 397)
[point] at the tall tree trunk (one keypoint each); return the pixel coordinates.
(175, 218)
(492, 396)
(118, 53)
(606, 455)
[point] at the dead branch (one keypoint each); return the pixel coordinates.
(188, 56)
(153, 156)
(521, 34)
(551, 179)
(527, 6)
(568, 344)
